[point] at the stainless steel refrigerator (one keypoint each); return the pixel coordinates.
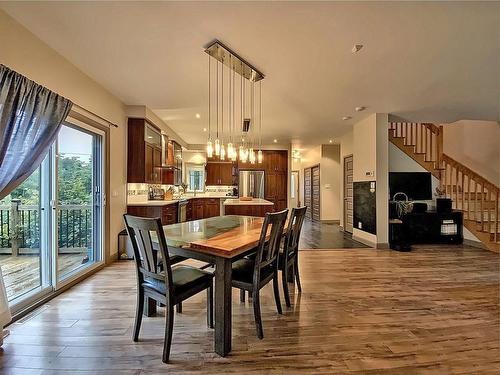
(251, 184)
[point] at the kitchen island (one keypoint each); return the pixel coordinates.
(254, 207)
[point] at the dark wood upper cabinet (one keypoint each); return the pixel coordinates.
(143, 152)
(219, 173)
(151, 157)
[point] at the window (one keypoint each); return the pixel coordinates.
(195, 174)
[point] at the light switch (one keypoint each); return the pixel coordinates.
(360, 225)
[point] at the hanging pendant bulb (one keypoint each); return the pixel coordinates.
(259, 157)
(251, 156)
(222, 152)
(242, 152)
(217, 147)
(230, 150)
(210, 149)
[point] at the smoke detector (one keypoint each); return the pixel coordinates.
(356, 48)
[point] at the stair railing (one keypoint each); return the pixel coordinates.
(473, 194)
(426, 138)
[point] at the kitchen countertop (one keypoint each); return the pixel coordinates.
(253, 202)
(173, 201)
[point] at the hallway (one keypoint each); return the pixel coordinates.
(318, 235)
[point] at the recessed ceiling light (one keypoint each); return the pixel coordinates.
(150, 137)
(331, 141)
(198, 115)
(204, 129)
(359, 109)
(345, 118)
(275, 140)
(356, 48)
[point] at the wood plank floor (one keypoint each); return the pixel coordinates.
(22, 273)
(362, 311)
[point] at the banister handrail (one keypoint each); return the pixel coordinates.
(482, 180)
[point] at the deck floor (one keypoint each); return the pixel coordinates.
(362, 311)
(22, 273)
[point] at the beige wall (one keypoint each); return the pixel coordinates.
(476, 145)
(23, 52)
(371, 163)
(330, 182)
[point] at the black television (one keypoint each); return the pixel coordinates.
(416, 185)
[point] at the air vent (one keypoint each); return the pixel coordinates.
(246, 125)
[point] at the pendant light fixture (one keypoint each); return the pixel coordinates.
(260, 157)
(210, 148)
(244, 148)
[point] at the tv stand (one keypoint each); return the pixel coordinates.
(428, 228)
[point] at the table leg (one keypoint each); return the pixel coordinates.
(149, 307)
(223, 306)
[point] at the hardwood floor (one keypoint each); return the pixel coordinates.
(362, 311)
(320, 235)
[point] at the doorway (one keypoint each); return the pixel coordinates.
(312, 192)
(348, 194)
(294, 189)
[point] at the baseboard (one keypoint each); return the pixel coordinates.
(112, 258)
(477, 244)
(383, 245)
(364, 241)
(330, 221)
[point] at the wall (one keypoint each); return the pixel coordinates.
(330, 182)
(475, 144)
(23, 52)
(371, 163)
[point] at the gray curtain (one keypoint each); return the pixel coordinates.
(30, 118)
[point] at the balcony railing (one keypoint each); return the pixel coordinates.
(20, 228)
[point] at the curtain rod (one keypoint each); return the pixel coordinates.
(96, 115)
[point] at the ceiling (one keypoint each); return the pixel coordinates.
(423, 61)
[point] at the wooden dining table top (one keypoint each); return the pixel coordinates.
(224, 236)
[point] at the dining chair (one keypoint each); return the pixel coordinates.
(289, 255)
(253, 273)
(169, 286)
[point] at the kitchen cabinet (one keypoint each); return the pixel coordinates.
(219, 173)
(167, 213)
(276, 178)
(211, 207)
(144, 152)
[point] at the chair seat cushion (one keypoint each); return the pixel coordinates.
(183, 279)
(243, 270)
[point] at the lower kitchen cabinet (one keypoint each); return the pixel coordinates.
(167, 213)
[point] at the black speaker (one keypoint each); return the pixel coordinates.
(443, 205)
(419, 207)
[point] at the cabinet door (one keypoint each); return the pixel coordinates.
(212, 174)
(211, 210)
(157, 165)
(270, 186)
(148, 164)
(197, 210)
(167, 176)
(226, 174)
(170, 154)
(281, 185)
(282, 161)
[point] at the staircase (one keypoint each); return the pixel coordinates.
(471, 193)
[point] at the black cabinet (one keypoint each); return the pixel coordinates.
(433, 227)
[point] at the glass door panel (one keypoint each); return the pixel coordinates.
(78, 208)
(20, 242)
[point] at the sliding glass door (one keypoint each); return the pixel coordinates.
(79, 200)
(51, 226)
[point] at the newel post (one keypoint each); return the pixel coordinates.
(440, 147)
(14, 226)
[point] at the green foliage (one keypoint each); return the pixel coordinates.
(75, 181)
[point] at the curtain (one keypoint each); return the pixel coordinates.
(30, 118)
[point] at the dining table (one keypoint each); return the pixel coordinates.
(220, 241)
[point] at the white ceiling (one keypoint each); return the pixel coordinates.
(421, 61)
